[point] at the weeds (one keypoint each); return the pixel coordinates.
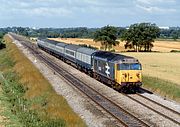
(31, 96)
(165, 88)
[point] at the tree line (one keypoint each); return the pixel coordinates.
(139, 36)
(80, 32)
(171, 33)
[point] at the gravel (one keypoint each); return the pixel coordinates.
(169, 103)
(157, 107)
(135, 108)
(89, 111)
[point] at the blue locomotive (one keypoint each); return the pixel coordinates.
(119, 71)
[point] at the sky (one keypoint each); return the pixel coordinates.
(88, 13)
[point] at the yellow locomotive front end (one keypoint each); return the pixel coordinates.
(129, 74)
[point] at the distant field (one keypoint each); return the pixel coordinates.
(161, 65)
(160, 46)
(166, 46)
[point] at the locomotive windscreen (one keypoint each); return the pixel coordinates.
(132, 66)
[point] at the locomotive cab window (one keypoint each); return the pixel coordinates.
(132, 66)
(135, 66)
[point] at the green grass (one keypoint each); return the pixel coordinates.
(32, 100)
(162, 87)
(9, 119)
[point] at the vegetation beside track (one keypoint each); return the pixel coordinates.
(162, 87)
(7, 118)
(31, 98)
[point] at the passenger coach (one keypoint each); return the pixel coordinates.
(120, 71)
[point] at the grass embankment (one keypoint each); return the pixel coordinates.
(162, 87)
(32, 99)
(7, 118)
(161, 73)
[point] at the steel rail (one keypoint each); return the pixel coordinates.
(124, 117)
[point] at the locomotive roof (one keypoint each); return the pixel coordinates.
(105, 55)
(124, 59)
(85, 50)
(112, 56)
(72, 47)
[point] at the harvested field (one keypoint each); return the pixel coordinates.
(88, 42)
(160, 46)
(161, 65)
(166, 46)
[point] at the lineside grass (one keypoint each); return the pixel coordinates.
(164, 88)
(7, 118)
(33, 99)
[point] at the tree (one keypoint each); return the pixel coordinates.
(175, 35)
(140, 36)
(2, 45)
(107, 36)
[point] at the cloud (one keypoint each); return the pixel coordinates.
(44, 12)
(87, 12)
(154, 9)
(155, 1)
(35, 8)
(157, 6)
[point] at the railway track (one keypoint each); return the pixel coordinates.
(121, 115)
(156, 107)
(112, 108)
(161, 105)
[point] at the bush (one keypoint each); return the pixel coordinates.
(175, 50)
(2, 45)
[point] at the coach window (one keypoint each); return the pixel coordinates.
(70, 52)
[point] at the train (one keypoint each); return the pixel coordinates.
(123, 73)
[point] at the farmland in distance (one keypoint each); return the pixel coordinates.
(161, 63)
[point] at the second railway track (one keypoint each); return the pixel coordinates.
(156, 107)
(124, 117)
(121, 115)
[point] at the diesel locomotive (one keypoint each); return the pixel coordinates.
(119, 71)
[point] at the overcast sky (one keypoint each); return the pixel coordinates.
(88, 13)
